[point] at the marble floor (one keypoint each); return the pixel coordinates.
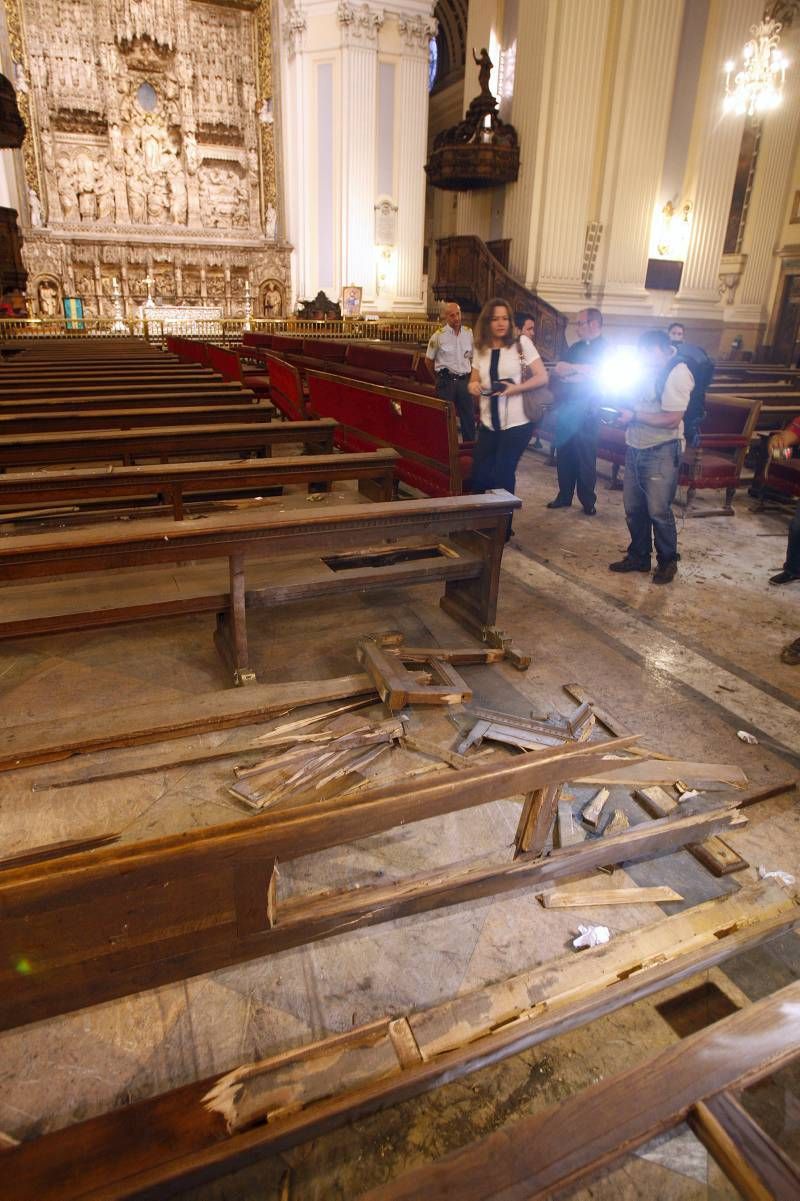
(687, 666)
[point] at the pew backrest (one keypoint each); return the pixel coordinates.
(421, 428)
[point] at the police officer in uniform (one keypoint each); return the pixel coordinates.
(450, 350)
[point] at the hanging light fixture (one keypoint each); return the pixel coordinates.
(758, 87)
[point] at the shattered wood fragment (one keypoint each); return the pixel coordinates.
(567, 832)
(615, 824)
(398, 687)
(458, 657)
(584, 697)
(591, 811)
(713, 853)
(608, 896)
(536, 821)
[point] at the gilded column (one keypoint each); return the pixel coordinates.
(717, 153)
(360, 26)
(412, 132)
(644, 82)
(576, 116)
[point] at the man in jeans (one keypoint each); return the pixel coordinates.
(654, 438)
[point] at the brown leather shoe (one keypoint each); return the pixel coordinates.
(665, 572)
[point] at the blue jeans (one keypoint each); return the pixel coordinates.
(651, 480)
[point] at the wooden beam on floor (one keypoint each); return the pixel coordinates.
(164, 1145)
(46, 741)
(543, 1154)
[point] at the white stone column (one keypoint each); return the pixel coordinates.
(530, 116)
(716, 153)
(642, 100)
(360, 25)
(412, 133)
(765, 214)
(574, 140)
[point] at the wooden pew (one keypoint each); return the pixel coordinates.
(219, 396)
(421, 428)
(109, 387)
(128, 446)
(336, 551)
(179, 483)
(37, 421)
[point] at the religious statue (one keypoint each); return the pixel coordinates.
(178, 197)
(104, 190)
(271, 223)
(273, 300)
(66, 189)
(485, 64)
(158, 201)
(48, 298)
(190, 150)
(137, 193)
(35, 206)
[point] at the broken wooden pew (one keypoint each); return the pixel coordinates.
(541, 1155)
(144, 914)
(166, 1144)
(458, 540)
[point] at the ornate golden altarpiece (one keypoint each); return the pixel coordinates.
(150, 152)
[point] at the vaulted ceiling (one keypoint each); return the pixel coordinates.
(452, 37)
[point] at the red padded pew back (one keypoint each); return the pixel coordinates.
(225, 362)
(285, 388)
(332, 352)
(421, 428)
(377, 358)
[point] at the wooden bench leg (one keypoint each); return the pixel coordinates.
(473, 603)
(230, 635)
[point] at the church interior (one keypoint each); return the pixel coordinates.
(400, 600)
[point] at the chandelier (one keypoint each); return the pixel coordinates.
(758, 87)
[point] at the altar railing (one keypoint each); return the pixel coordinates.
(225, 330)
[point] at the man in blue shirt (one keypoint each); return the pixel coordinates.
(577, 419)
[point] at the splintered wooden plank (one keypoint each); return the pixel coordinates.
(667, 771)
(541, 1155)
(459, 657)
(714, 853)
(608, 896)
(166, 1144)
(536, 820)
(44, 741)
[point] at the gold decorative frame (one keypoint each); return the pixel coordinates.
(19, 54)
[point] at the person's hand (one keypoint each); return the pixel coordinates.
(625, 416)
(474, 388)
(502, 388)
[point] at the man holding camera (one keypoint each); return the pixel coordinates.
(654, 440)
